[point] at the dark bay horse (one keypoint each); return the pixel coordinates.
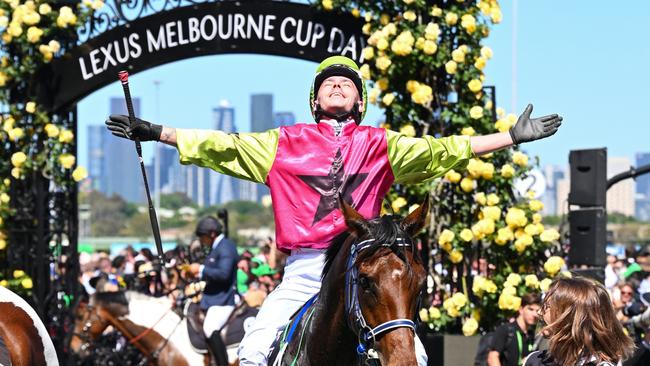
(372, 278)
(148, 323)
(25, 337)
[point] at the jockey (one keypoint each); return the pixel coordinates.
(317, 162)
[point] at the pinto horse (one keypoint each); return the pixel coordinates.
(368, 299)
(23, 333)
(148, 323)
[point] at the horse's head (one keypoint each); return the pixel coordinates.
(384, 276)
(92, 318)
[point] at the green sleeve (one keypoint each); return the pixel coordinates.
(245, 155)
(415, 159)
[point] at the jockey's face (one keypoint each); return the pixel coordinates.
(338, 94)
(207, 239)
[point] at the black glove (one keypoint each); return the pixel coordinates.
(527, 129)
(142, 130)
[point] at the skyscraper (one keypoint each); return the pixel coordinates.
(553, 174)
(225, 188)
(122, 169)
(284, 119)
(643, 189)
(97, 137)
(620, 197)
(261, 120)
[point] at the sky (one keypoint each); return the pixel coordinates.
(587, 61)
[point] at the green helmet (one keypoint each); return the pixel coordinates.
(338, 66)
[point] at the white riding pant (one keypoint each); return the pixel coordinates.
(215, 318)
(301, 281)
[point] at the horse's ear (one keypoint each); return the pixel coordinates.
(414, 222)
(357, 224)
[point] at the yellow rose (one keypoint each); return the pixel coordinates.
(383, 63)
(436, 11)
(3, 244)
(468, 131)
(516, 217)
(532, 229)
(466, 235)
(46, 52)
(4, 283)
(423, 94)
(16, 172)
(16, 133)
(51, 130)
(364, 70)
(453, 312)
(355, 13)
(388, 99)
(4, 198)
(407, 130)
(34, 34)
(30, 107)
(410, 15)
(480, 198)
(451, 18)
(496, 15)
(492, 199)
(537, 218)
(27, 283)
(545, 284)
(520, 159)
(458, 56)
(476, 112)
(486, 226)
(79, 174)
(446, 236)
(531, 281)
(452, 176)
(480, 63)
(18, 273)
(467, 184)
(490, 287)
(66, 136)
(451, 67)
(432, 31)
(487, 171)
(434, 313)
(18, 158)
(469, 327)
(553, 265)
(514, 279)
(67, 160)
(447, 247)
(549, 235)
(66, 17)
(424, 315)
(474, 167)
(384, 19)
(509, 302)
(367, 28)
(507, 171)
(455, 256)
(44, 9)
(504, 235)
(523, 242)
(327, 4)
(368, 53)
(3, 79)
(382, 84)
(492, 212)
(373, 94)
(14, 29)
(429, 47)
(475, 85)
(390, 29)
(398, 203)
(459, 300)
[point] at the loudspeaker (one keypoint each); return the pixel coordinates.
(588, 237)
(588, 177)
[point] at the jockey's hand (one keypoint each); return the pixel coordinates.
(142, 130)
(195, 268)
(530, 129)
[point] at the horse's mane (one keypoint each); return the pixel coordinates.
(112, 297)
(384, 230)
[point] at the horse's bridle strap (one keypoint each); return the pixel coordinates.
(388, 326)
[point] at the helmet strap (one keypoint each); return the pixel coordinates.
(354, 113)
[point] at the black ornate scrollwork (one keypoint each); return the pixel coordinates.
(116, 13)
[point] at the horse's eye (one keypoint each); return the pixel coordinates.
(364, 282)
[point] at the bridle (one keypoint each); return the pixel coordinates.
(367, 335)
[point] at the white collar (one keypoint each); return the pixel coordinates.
(217, 240)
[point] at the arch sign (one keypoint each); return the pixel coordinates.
(265, 27)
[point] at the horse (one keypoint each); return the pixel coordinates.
(150, 324)
(375, 267)
(23, 333)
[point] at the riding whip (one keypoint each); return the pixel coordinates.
(124, 78)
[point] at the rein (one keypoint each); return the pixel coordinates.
(366, 333)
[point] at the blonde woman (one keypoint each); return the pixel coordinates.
(581, 327)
